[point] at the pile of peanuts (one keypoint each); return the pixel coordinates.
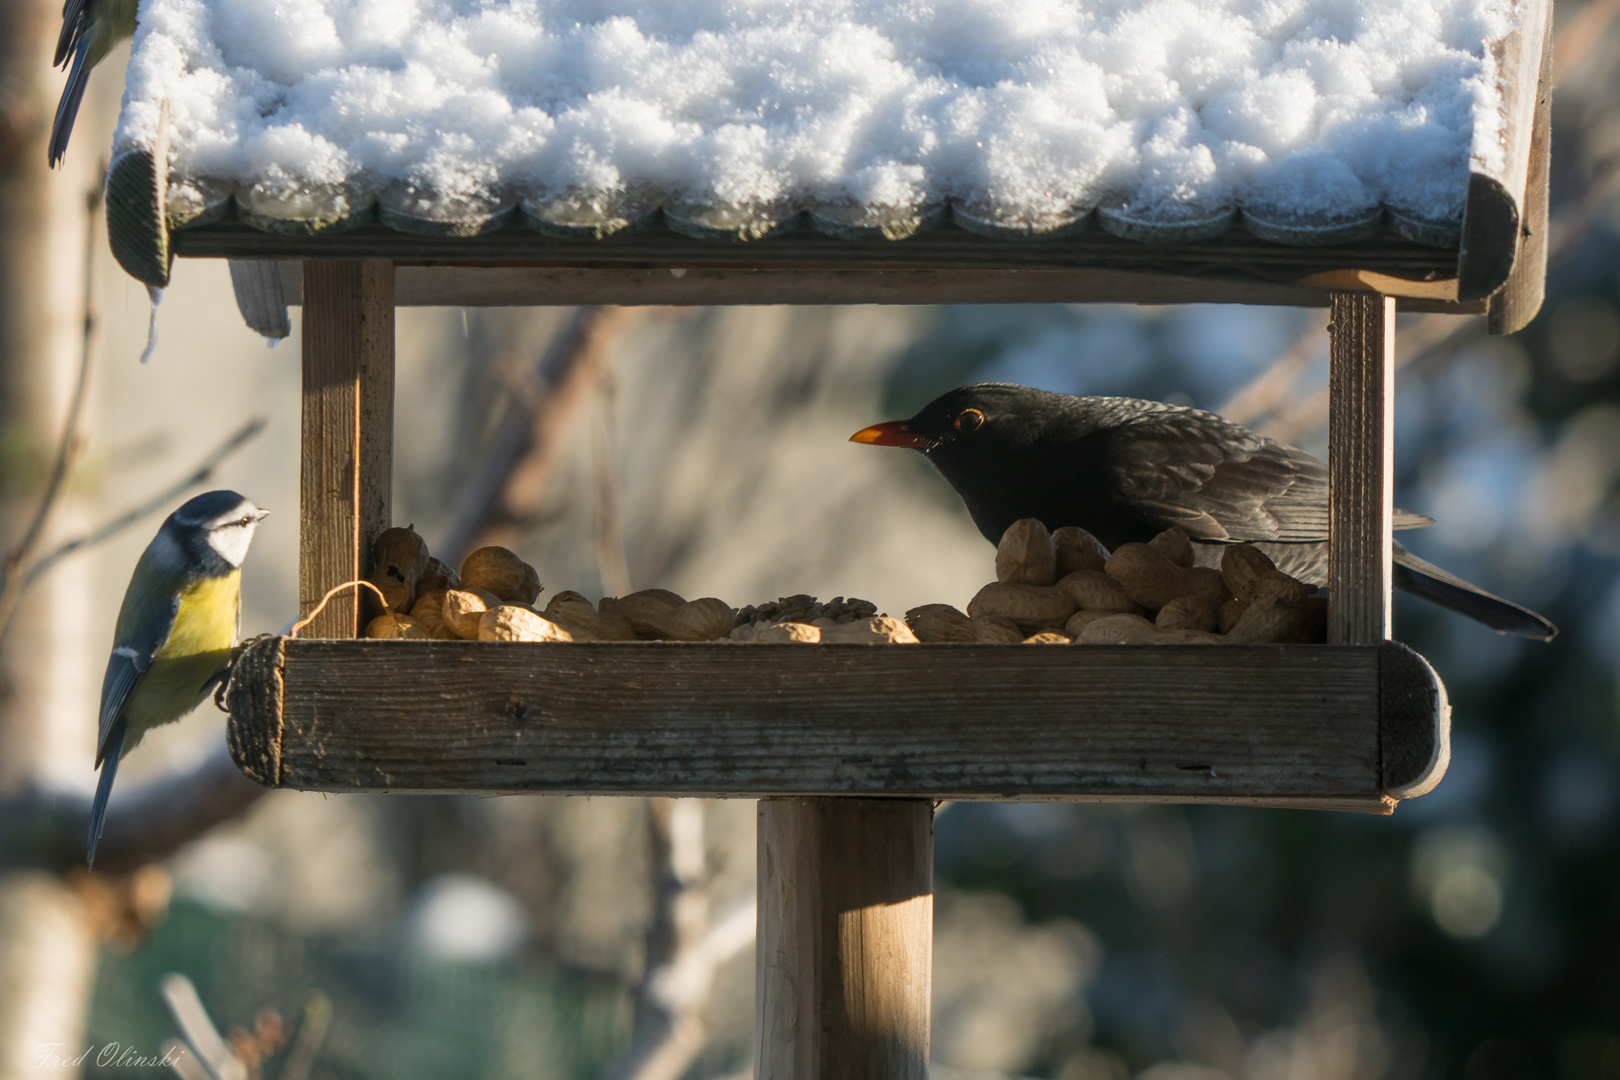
(494, 598)
(1051, 588)
(1057, 588)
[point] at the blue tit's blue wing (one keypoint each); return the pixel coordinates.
(75, 20)
(144, 624)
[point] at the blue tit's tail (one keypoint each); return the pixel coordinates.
(111, 751)
(67, 110)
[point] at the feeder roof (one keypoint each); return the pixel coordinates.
(1311, 123)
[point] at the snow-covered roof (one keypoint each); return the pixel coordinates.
(1304, 121)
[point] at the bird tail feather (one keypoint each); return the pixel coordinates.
(1424, 579)
(98, 809)
(67, 110)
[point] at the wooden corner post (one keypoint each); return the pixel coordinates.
(843, 960)
(1361, 466)
(348, 433)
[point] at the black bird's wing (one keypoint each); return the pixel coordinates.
(1220, 481)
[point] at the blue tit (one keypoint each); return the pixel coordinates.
(90, 29)
(175, 631)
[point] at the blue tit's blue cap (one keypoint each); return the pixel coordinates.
(206, 508)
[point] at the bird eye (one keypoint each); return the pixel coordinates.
(969, 420)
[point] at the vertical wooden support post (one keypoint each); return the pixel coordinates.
(1361, 466)
(348, 433)
(845, 944)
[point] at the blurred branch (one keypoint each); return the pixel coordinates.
(1274, 387)
(201, 473)
(684, 951)
(1428, 341)
(610, 561)
(13, 583)
(201, 1037)
(145, 822)
(502, 495)
(1583, 30)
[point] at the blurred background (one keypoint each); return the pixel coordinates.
(1473, 934)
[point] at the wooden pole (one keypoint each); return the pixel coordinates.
(845, 941)
(1361, 466)
(348, 432)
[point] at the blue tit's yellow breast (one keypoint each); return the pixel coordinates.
(207, 619)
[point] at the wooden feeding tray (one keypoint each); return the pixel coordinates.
(845, 746)
(1342, 727)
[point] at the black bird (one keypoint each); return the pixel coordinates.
(1125, 470)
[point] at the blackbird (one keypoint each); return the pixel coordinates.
(1125, 470)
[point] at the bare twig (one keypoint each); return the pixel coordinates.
(1273, 388)
(145, 823)
(198, 1031)
(311, 1033)
(1426, 342)
(684, 951)
(1579, 34)
(200, 474)
(505, 491)
(67, 449)
(610, 561)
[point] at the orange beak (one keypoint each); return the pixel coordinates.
(892, 433)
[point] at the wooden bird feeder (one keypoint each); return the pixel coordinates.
(846, 747)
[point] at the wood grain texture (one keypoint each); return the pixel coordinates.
(1415, 734)
(1517, 302)
(260, 296)
(1361, 465)
(528, 286)
(1235, 256)
(1257, 724)
(843, 957)
(1494, 210)
(346, 468)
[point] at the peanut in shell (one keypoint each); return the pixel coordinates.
(1032, 607)
(1026, 554)
(1187, 613)
(877, 630)
(1093, 590)
(1077, 550)
(940, 624)
(512, 622)
(1241, 566)
(392, 625)
(499, 570)
(1175, 545)
(995, 630)
(1149, 577)
(464, 607)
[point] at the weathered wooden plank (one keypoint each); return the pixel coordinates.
(261, 297)
(347, 435)
(1174, 723)
(1495, 210)
(1235, 256)
(1517, 302)
(1361, 466)
(843, 958)
(527, 286)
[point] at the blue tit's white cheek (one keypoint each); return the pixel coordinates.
(231, 542)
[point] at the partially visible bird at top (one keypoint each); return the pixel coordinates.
(90, 29)
(1125, 470)
(175, 631)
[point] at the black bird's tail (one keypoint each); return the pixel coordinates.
(111, 752)
(1423, 579)
(67, 110)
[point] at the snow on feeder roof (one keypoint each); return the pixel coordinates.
(1310, 123)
